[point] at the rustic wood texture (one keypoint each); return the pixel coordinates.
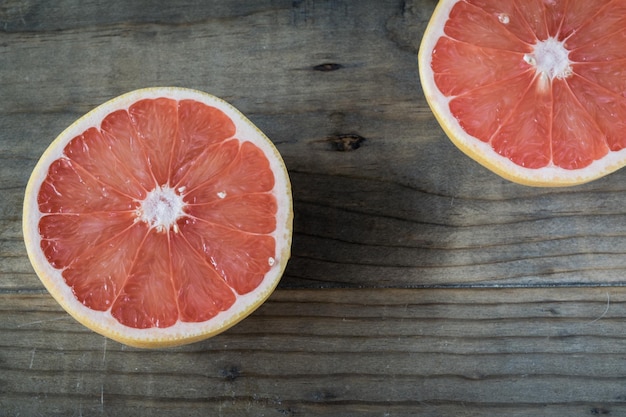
(366, 352)
(420, 283)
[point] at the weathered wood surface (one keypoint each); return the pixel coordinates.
(366, 352)
(392, 303)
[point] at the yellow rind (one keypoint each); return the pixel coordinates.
(55, 288)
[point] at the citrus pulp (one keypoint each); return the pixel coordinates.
(161, 217)
(534, 90)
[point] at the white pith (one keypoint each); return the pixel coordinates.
(550, 58)
(161, 208)
(181, 332)
(552, 63)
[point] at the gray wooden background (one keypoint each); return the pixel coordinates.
(420, 283)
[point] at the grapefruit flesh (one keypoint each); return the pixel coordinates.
(160, 218)
(533, 90)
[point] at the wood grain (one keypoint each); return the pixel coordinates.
(458, 352)
(403, 209)
(420, 283)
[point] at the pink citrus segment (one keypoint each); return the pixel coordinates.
(251, 213)
(164, 214)
(533, 15)
(508, 11)
(526, 144)
(201, 291)
(205, 166)
(66, 236)
(90, 151)
(610, 76)
(576, 138)
(608, 113)
(69, 188)
(129, 153)
(200, 127)
(599, 26)
(460, 68)
(148, 298)
(156, 122)
(473, 25)
(98, 274)
(484, 109)
(577, 14)
(542, 83)
(241, 259)
(248, 172)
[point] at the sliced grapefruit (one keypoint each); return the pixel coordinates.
(534, 90)
(160, 218)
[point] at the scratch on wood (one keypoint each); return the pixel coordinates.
(104, 352)
(32, 358)
(606, 310)
(32, 323)
(12, 12)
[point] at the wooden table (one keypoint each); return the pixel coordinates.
(420, 283)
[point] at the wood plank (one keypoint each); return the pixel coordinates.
(407, 292)
(347, 352)
(404, 209)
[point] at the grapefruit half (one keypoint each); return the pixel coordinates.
(161, 217)
(534, 90)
